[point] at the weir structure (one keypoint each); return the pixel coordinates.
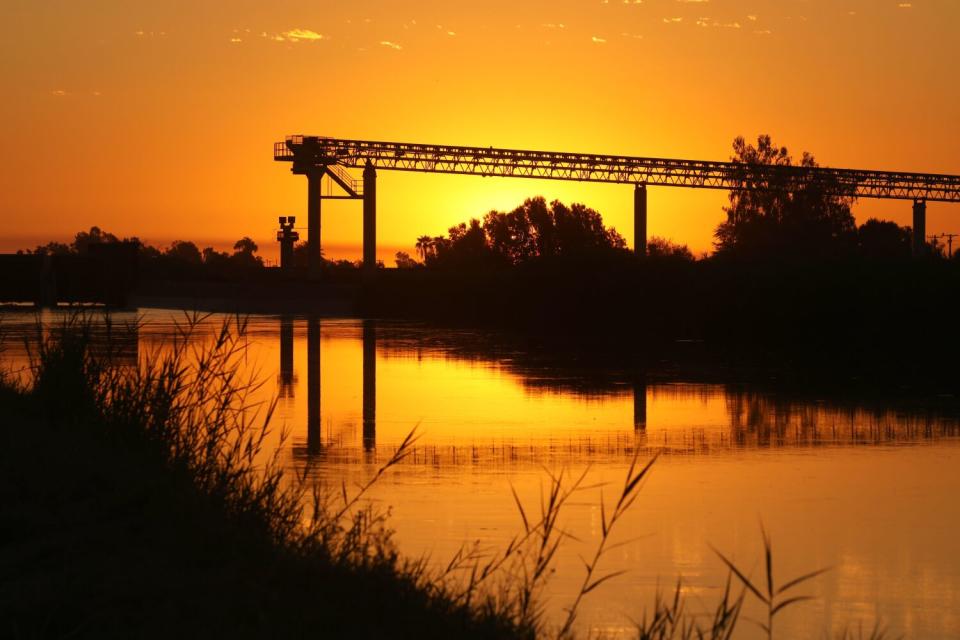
(318, 156)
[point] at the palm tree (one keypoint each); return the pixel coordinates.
(423, 246)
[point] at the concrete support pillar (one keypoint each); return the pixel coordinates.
(640, 219)
(369, 385)
(313, 384)
(369, 218)
(919, 227)
(314, 178)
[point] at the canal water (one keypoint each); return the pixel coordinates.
(868, 490)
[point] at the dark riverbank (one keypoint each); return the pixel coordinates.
(108, 532)
(854, 321)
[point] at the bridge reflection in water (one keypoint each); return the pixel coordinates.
(369, 385)
(287, 381)
(495, 415)
(480, 402)
(313, 385)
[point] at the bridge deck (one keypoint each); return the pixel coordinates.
(306, 152)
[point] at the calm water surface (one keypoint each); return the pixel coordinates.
(869, 491)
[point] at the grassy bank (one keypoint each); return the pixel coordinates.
(138, 504)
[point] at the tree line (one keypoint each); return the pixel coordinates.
(180, 258)
(768, 218)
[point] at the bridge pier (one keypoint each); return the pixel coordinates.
(314, 259)
(369, 219)
(640, 219)
(919, 227)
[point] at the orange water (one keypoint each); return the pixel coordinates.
(867, 490)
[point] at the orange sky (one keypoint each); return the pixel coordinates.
(157, 119)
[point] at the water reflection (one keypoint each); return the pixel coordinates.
(818, 469)
(287, 379)
(476, 398)
(313, 385)
(21, 333)
(512, 408)
(640, 402)
(369, 385)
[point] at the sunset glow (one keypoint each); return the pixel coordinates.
(157, 120)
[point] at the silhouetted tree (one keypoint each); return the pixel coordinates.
(52, 249)
(244, 254)
(788, 213)
(580, 229)
(184, 251)
(466, 245)
(885, 240)
(218, 261)
(424, 246)
(404, 261)
(81, 241)
(84, 239)
(664, 248)
(245, 245)
(532, 230)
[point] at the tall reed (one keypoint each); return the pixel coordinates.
(192, 402)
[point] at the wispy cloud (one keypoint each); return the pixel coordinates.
(672, 20)
(707, 22)
(302, 34)
(63, 93)
(294, 35)
(596, 40)
(392, 45)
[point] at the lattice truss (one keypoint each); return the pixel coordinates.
(311, 153)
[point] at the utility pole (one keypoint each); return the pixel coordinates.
(949, 237)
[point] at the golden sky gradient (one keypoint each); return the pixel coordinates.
(156, 119)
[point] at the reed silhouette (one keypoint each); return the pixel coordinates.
(171, 516)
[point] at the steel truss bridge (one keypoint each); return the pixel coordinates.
(316, 156)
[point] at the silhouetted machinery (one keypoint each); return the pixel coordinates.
(286, 236)
(317, 157)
